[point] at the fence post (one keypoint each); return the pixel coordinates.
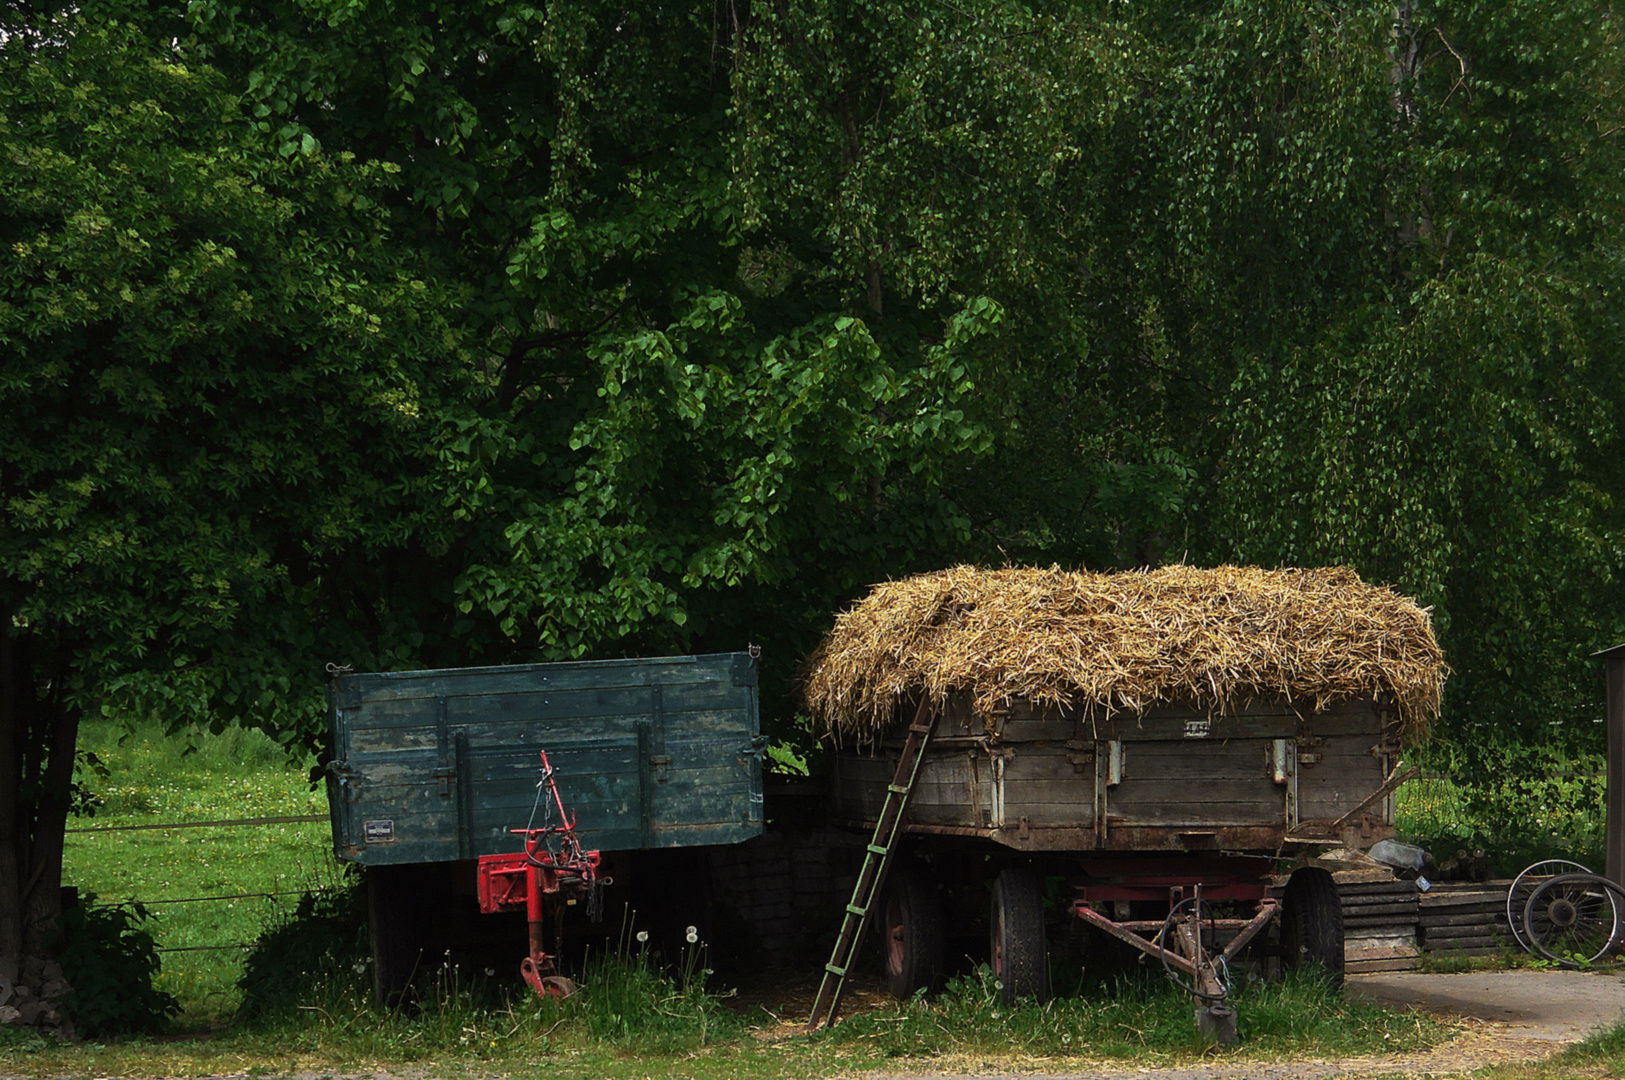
(1613, 661)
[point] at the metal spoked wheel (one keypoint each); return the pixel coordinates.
(1574, 919)
(1524, 886)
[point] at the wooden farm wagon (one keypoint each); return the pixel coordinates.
(1145, 746)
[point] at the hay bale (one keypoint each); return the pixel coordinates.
(1104, 643)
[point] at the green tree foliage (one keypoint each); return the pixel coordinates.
(221, 383)
(692, 427)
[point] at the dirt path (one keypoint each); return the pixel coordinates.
(1510, 1016)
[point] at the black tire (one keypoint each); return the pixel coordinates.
(1312, 925)
(1019, 959)
(911, 928)
(396, 929)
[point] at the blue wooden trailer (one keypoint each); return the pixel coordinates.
(431, 770)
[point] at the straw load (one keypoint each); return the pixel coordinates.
(1104, 643)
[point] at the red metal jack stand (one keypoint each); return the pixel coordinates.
(528, 878)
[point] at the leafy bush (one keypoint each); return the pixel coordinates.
(323, 941)
(111, 961)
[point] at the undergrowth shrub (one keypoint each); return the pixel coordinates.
(110, 960)
(626, 1000)
(307, 983)
(1551, 809)
(320, 946)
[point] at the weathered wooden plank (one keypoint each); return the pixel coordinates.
(1369, 967)
(1195, 729)
(1369, 911)
(1489, 943)
(1446, 933)
(1380, 902)
(1380, 937)
(1485, 898)
(1357, 881)
(1465, 948)
(501, 717)
(1466, 918)
(588, 674)
(1376, 948)
(1026, 730)
(1139, 794)
(1257, 708)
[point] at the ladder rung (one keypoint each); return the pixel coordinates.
(897, 789)
(921, 728)
(833, 970)
(854, 909)
(876, 849)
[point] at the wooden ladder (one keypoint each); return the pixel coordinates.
(876, 861)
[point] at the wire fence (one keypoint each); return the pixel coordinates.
(290, 819)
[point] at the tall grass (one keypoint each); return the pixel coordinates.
(1142, 1016)
(307, 986)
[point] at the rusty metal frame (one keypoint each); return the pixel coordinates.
(1247, 929)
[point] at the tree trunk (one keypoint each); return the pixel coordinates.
(42, 900)
(11, 859)
(38, 734)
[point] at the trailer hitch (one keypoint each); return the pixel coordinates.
(553, 866)
(1194, 964)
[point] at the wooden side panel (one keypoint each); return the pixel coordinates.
(1177, 770)
(442, 765)
(955, 787)
(1339, 774)
(1196, 782)
(1050, 785)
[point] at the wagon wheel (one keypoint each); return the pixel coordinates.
(1574, 919)
(1524, 886)
(912, 932)
(1312, 924)
(1020, 962)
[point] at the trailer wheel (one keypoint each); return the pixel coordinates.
(1019, 960)
(1312, 925)
(395, 930)
(911, 930)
